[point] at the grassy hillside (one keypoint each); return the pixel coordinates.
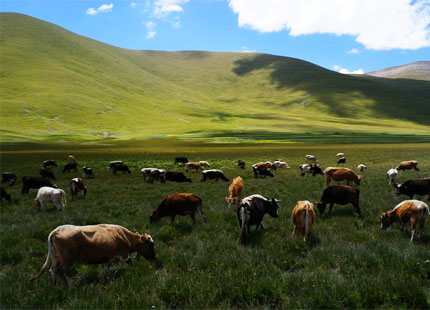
(59, 85)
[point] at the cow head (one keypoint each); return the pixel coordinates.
(358, 181)
(145, 247)
(401, 188)
(188, 180)
(320, 206)
(387, 219)
(154, 217)
(37, 203)
(273, 208)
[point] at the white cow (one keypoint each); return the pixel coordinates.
(311, 157)
(204, 163)
(305, 168)
(281, 164)
(393, 176)
(361, 167)
(340, 154)
(153, 173)
(48, 194)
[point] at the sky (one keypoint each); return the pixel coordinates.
(347, 36)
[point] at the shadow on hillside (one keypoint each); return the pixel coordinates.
(224, 116)
(394, 99)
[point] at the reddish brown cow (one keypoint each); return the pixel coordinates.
(234, 191)
(179, 204)
(407, 165)
(303, 217)
(341, 194)
(193, 166)
(341, 174)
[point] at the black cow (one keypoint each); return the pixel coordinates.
(8, 177)
(414, 187)
(241, 164)
(263, 171)
(70, 166)
(341, 194)
(35, 183)
(49, 163)
(342, 160)
(4, 194)
(176, 177)
(46, 173)
(213, 174)
(114, 163)
(88, 172)
(181, 160)
(120, 167)
(251, 210)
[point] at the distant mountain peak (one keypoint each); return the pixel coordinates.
(419, 70)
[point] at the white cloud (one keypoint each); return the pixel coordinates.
(245, 49)
(151, 30)
(150, 34)
(353, 51)
(101, 9)
(163, 8)
(133, 4)
(346, 71)
(377, 24)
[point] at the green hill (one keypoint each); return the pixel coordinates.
(55, 83)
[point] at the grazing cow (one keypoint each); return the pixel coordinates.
(146, 172)
(76, 185)
(413, 211)
(262, 165)
(114, 163)
(35, 183)
(213, 174)
(251, 210)
(49, 163)
(181, 160)
(93, 244)
(262, 170)
(271, 165)
(340, 155)
(407, 165)
(88, 173)
(313, 168)
(179, 204)
(241, 164)
(341, 194)
(48, 194)
(194, 166)
(159, 174)
(120, 167)
(311, 158)
(4, 194)
(177, 177)
(303, 218)
(8, 177)
(393, 176)
(342, 160)
(414, 187)
(281, 164)
(46, 173)
(71, 159)
(204, 163)
(341, 174)
(70, 166)
(234, 191)
(361, 167)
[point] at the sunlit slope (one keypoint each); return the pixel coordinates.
(56, 82)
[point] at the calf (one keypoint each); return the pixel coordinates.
(4, 194)
(341, 174)
(407, 165)
(76, 185)
(120, 167)
(414, 187)
(179, 204)
(46, 173)
(176, 177)
(8, 177)
(70, 166)
(251, 210)
(342, 160)
(341, 194)
(303, 218)
(93, 244)
(213, 174)
(234, 191)
(204, 163)
(48, 194)
(35, 183)
(361, 167)
(87, 173)
(49, 163)
(314, 169)
(413, 211)
(181, 160)
(194, 166)
(393, 176)
(241, 164)
(311, 158)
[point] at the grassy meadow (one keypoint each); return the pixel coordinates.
(349, 262)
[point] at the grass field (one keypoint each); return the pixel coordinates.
(349, 263)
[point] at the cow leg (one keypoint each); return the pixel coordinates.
(331, 207)
(357, 208)
(294, 231)
(193, 217)
(413, 227)
(201, 215)
(172, 219)
(249, 228)
(105, 271)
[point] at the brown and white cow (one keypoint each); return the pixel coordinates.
(303, 216)
(193, 166)
(234, 191)
(93, 244)
(281, 164)
(407, 165)
(341, 174)
(413, 211)
(76, 185)
(179, 204)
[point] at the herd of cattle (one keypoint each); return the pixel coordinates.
(70, 244)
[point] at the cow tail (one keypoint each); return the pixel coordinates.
(242, 225)
(45, 265)
(307, 223)
(63, 198)
(200, 212)
(426, 209)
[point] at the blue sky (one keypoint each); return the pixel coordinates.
(340, 35)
